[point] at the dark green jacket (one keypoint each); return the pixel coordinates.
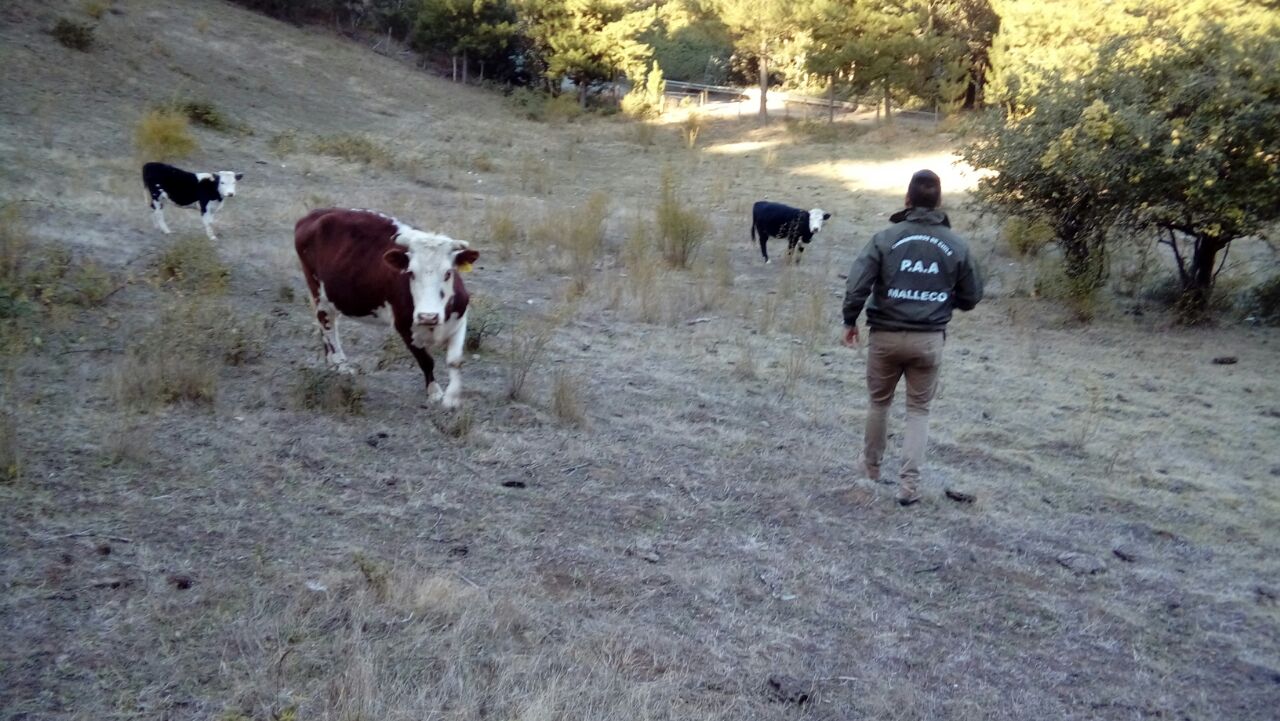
(912, 274)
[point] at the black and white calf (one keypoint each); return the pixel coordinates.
(782, 221)
(209, 190)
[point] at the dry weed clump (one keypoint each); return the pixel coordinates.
(353, 148)
(745, 368)
(74, 35)
(164, 134)
(566, 398)
(152, 377)
(327, 390)
(527, 345)
(795, 367)
(534, 174)
(177, 358)
(10, 457)
(503, 230)
(681, 230)
(191, 263)
(691, 128)
(584, 240)
(485, 321)
(204, 114)
(94, 8)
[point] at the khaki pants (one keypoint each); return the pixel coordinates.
(891, 355)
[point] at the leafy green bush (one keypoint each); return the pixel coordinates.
(485, 321)
(1025, 238)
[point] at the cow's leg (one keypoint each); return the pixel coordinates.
(791, 249)
(764, 249)
(799, 252)
(206, 216)
(327, 316)
(453, 394)
(157, 210)
(426, 363)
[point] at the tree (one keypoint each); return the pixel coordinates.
(468, 29)
(1175, 130)
(589, 41)
(862, 45)
(759, 28)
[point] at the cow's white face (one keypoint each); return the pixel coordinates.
(227, 182)
(817, 216)
(431, 262)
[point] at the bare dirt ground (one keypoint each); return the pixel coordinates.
(701, 528)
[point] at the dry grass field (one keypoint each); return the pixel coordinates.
(650, 503)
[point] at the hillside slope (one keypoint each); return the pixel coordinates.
(667, 516)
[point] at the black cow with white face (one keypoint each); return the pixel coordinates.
(185, 189)
(783, 221)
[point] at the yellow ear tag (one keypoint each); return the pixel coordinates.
(464, 267)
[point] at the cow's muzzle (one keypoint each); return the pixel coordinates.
(428, 319)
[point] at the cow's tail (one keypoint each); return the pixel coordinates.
(753, 231)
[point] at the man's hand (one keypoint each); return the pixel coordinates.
(850, 336)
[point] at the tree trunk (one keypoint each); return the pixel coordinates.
(831, 100)
(1197, 282)
(582, 95)
(465, 63)
(888, 114)
(454, 58)
(764, 87)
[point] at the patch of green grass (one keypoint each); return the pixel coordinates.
(10, 458)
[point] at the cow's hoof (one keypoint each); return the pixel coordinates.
(451, 403)
(434, 394)
(767, 261)
(349, 369)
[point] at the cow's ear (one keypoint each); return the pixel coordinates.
(464, 258)
(826, 216)
(397, 259)
(239, 176)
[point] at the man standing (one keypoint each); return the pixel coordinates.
(910, 277)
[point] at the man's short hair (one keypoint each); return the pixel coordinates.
(925, 190)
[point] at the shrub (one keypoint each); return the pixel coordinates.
(535, 174)
(149, 377)
(1079, 294)
(681, 230)
(10, 458)
(584, 238)
(527, 346)
(176, 358)
(353, 148)
(529, 102)
(323, 389)
(646, 99)
(566, 401)
(164, 134)
(74, 35)
(284, 143)
(485, 321)
(1025, 238)
(94, 8)
(503, 228)
(822, 131)
(1266, 301)
(691, 128)
(192, 264)
(205, 114)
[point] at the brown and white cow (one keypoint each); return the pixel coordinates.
(369, 266)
